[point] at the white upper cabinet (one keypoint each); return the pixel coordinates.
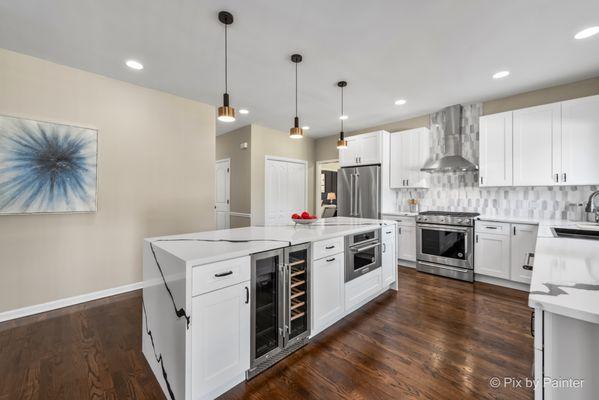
(410, 150)
(362, 149)
(580, 141)
(537, 133)
(496, 150)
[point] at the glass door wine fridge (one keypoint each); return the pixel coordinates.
(280, 305)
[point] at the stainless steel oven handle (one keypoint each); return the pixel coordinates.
(449, 228)
(361, 249)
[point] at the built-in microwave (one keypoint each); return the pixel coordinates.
(362, 253)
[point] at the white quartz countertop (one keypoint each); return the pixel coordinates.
(526, 220)
(400, 213)
(211, 246)
(565, 277)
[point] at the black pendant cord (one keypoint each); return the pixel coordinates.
(296, 90)
(342, 108)
(158, 357)
(179, 311)
(226, 64)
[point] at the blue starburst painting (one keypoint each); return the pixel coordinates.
(46, 167)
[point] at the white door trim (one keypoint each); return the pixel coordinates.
(317, 182)
(285, 159)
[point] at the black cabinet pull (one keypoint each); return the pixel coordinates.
(330, 259)
(223, 274)
(532, 323)
(527, 267)
(247, 295)
(329, 247)
(514, 231)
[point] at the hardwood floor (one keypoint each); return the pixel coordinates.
(435, 339)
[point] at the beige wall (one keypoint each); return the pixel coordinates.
(326, 146)
(270, 142)
(227, 146)
(155, 177)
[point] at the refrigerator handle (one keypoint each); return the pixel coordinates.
(357, 190)
(351, 195)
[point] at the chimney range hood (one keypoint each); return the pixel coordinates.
(449, 121)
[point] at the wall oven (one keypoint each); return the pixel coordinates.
(445, 244)
(280, 305)
(362, 253)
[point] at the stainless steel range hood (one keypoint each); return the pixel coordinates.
(449, 121)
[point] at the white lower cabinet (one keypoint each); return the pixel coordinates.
(388, 258)
(361, 289)
(328, 291)
(504, 250)
(492, 254)
(220, 340)
(570, 351)
(523, 242)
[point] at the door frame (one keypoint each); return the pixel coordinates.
(266, 172)
(228, 188)
(317, 182)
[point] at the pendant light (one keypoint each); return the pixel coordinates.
(341, 143)
(226, 113)
(296, 132)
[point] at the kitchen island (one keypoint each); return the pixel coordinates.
(206, 296)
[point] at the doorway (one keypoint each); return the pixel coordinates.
(326, 188)
(223, 185)
(286, 189)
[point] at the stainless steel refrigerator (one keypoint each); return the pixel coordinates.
(359, 192)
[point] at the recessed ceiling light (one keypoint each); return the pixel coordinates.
(343, 117)
(244, 111)
(400, 102)
(306, 128)
(586, 33)
(134, 64)
(500, 74)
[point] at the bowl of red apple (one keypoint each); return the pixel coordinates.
(304, 218)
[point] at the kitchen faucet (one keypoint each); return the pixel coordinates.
(592, 207)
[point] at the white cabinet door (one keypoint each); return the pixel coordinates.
(397, 162)
(523, 242)
(349, 156)
(389, 260)
(406, 243)
(537, 134)
(220, 339)
(496, 150)
(370, 148)
(361, 290)
(410, 150)
(492, 255)
(328, 291)
(580, 141)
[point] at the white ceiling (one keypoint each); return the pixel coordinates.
(433, 53)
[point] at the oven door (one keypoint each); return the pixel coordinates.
(442, 244)
(361, 259)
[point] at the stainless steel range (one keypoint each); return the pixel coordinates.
(445, 244)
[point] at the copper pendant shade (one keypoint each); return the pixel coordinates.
(296, 132)
(342, 143)
(226, 113)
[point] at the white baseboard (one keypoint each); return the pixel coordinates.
(525, 287)
(69, 301)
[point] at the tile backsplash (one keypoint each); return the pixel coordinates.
(460, 192)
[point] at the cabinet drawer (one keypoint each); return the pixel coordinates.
(497, 228)
(209, 277)
(327, 247)
(362, 289)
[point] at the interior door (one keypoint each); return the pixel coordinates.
(580, 140)
(222, 193)
(536, 149)
(285, 190)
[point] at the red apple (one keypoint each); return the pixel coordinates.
(296, 216)
(305, 215)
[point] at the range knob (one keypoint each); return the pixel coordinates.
(459, 220)
(466, 221)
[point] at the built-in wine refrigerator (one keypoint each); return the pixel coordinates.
(280, 305)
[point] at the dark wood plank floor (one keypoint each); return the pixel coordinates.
(435, 339)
